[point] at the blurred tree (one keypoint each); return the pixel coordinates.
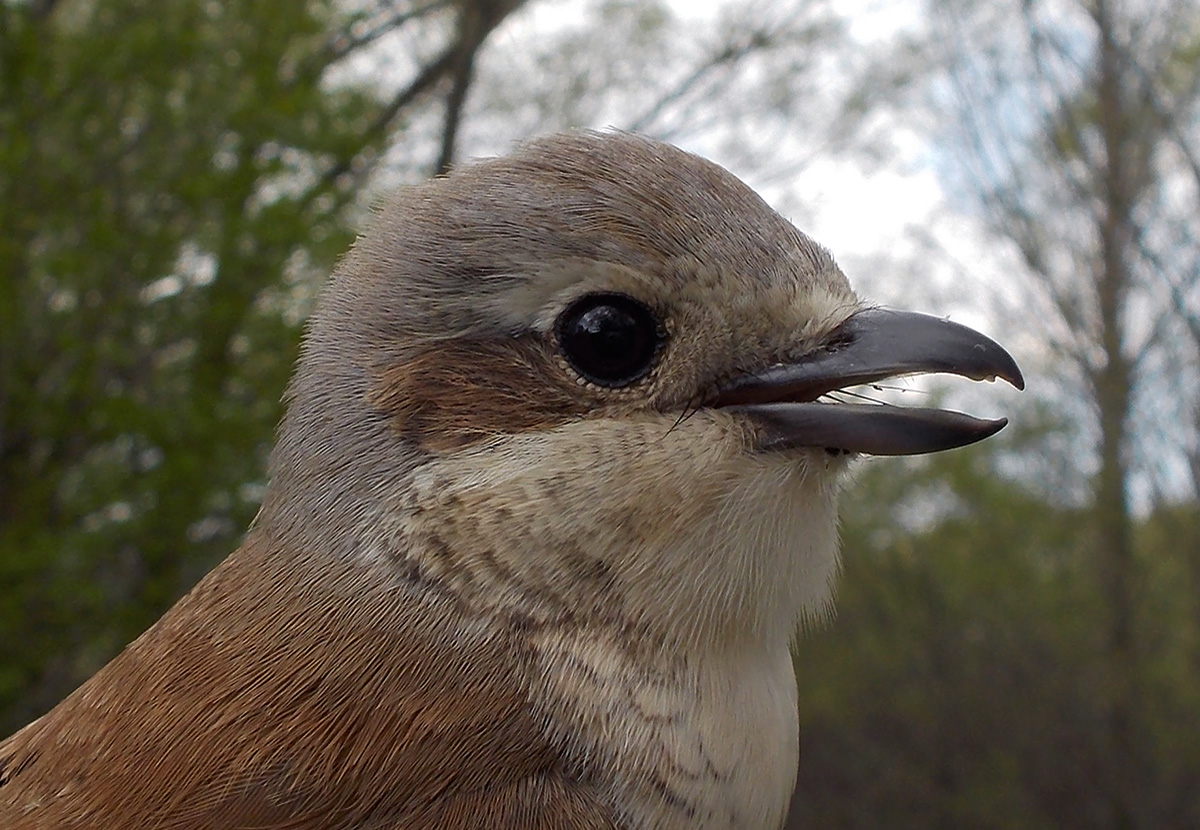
(1073, 131)
(748, 83)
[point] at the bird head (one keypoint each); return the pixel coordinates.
(588, 383)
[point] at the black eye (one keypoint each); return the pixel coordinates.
(610, 339)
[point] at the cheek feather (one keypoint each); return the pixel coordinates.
(457, 394)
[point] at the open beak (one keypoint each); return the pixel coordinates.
(870, 346)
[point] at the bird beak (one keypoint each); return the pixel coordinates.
(870, 346)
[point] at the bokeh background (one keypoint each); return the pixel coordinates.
(1017, 640)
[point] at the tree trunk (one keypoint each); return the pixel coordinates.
(1112, 382)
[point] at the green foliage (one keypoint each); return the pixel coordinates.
(166, 204)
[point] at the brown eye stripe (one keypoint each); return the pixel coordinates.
(455, 394)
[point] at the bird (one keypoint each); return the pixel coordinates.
(554, 490)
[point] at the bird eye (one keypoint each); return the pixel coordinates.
(610, 339)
